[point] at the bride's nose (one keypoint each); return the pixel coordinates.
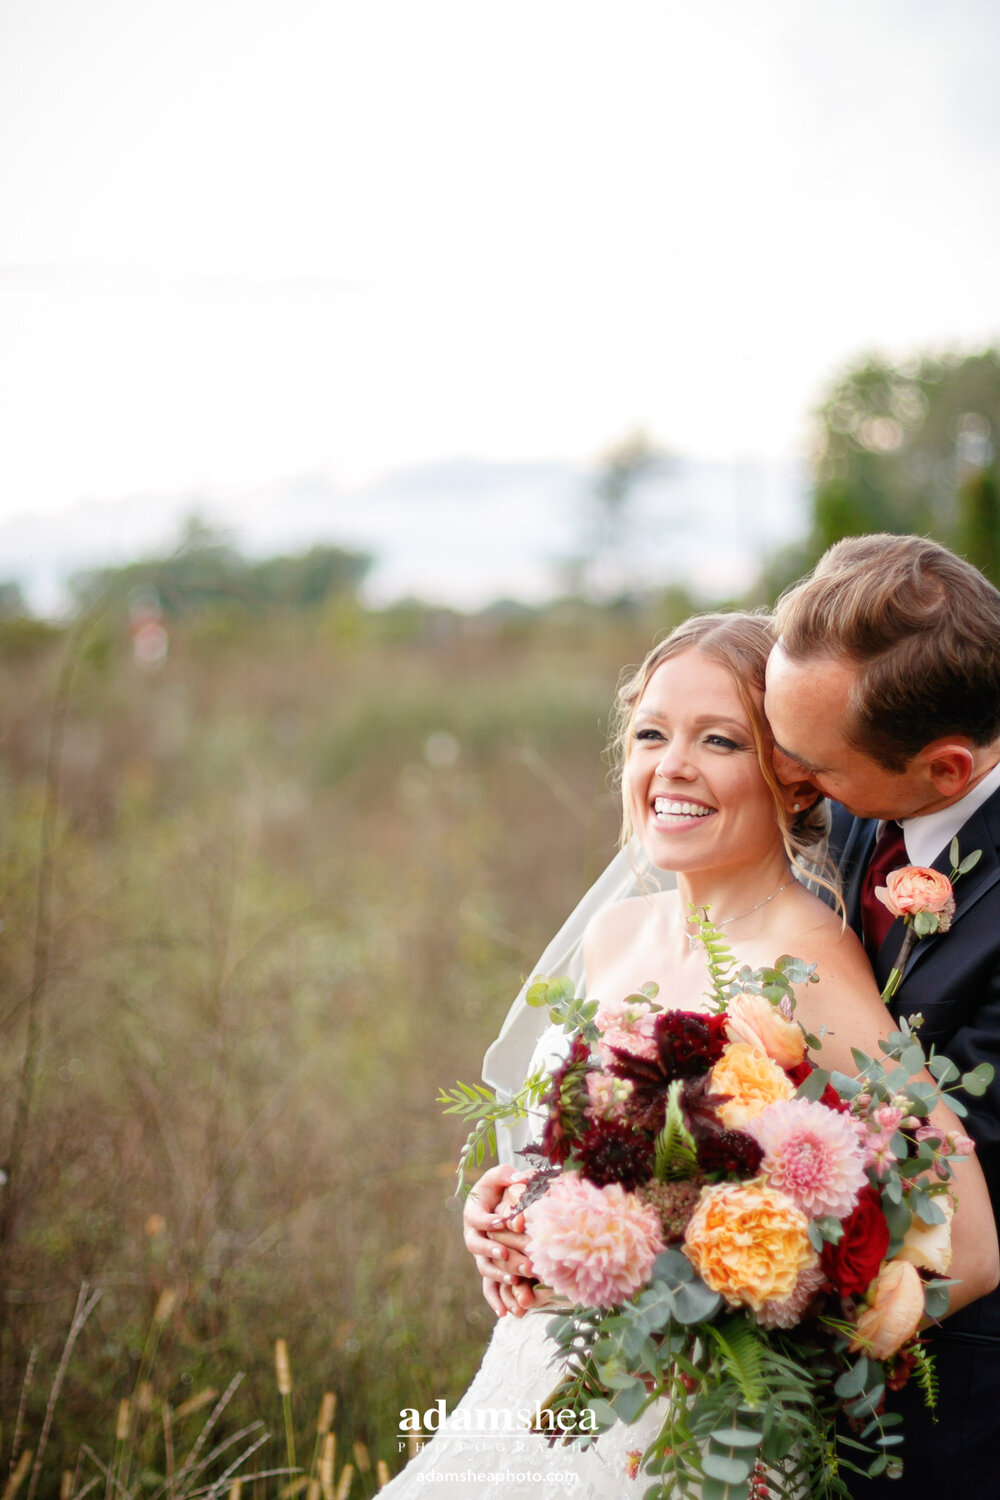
(675, 763)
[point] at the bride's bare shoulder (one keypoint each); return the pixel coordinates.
(624, 920)
(823, 938)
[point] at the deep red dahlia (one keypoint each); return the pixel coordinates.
(730, 1151)
(613, 1152)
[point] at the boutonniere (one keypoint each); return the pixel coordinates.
(925, 900)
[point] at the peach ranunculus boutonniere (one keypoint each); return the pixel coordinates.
(926, 902)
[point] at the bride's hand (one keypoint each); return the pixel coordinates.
(493, 1235)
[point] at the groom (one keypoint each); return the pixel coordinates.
(885, 687)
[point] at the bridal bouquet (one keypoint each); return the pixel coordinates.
(732, 1231)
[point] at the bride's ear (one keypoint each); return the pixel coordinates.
(797, 796)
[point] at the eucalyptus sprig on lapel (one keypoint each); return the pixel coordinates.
(925, 900)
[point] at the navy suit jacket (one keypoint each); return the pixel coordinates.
(953, 981)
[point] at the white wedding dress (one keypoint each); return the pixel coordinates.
(483, 1449)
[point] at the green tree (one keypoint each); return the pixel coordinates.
(912, 446)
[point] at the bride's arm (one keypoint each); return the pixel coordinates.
(847, 1003)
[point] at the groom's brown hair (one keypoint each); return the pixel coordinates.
(923, 626)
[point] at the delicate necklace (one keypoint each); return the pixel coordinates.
(694, 939)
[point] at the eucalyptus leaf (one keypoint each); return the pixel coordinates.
(978, 1080)
(942, 1068)
(630, 1401)
(936, 1299)
(813, 1084)
(868, 1402)
(846, 1086)
(736, 1437)
(924, 1206)
(604, 1415)
(731, 1470)
(853, 1381)
(672, 1265)
(970, 861)
(695, 1303)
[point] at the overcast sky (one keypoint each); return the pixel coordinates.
(242, 239)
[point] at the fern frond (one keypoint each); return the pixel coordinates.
(742, 1355)
(675, 1149)
(720, 957)
(925, 1372)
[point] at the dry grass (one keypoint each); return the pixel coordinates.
(294, 879)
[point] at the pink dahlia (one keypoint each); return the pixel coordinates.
(786, 1313)
(592, 1245)
(811, 1153)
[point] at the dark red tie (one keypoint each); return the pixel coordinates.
(889, 854)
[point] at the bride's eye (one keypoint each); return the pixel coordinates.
(723, 742)
(649, 734)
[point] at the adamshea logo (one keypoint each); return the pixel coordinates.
(496, 1419)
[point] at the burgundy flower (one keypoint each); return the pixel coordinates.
(852, 1264)
(689, 1043)
(567, 1100)
(614, 1152)
(732, 1152)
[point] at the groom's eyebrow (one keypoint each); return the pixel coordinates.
(807, 765)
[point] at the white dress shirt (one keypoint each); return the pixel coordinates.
(926, 836)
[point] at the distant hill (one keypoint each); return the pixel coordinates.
(461, 531)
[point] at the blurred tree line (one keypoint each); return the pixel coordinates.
(207, 569)
(909, 446)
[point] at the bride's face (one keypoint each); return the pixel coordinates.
(693, 785)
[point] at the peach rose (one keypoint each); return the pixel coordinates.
(914, 889)
(928, 1246)
(897, 1305)
(752, 1080)
(753, 1019)
(749, 1242)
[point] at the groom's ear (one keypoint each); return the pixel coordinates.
(797, 796)
(949, 764)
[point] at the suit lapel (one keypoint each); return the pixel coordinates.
(982, 831)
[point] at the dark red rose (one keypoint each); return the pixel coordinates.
(851, 1265)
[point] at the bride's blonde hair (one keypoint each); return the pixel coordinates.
(741, 643)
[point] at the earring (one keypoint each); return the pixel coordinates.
(796, 807)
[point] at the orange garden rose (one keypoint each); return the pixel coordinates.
(897, 1305)
(753, 1019)
(749, 1242)
(915, 888)
(753, 1081)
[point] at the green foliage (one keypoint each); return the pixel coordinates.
(206, 570)
(676, 1156)
(473, 1101)
(908, 446)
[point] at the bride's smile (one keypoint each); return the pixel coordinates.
(694, 788)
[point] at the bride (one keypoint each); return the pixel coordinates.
(700, 799)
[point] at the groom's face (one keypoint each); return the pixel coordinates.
(808, 706)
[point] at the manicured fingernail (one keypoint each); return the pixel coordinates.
(508, 1278)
